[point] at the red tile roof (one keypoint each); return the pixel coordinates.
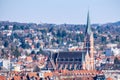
(17, 77)
(109, 78)
(2, 77)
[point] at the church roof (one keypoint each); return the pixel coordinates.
(70, 54)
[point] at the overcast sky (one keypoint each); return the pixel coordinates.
(60, 11)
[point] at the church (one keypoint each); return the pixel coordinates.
(76, 60)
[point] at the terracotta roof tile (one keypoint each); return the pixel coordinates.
(19, 63)
(31, 74)
(17, 77)
(2, 78)
(109, 78)
(50, 74)
(29, 59)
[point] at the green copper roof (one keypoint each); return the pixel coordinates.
(88, 28)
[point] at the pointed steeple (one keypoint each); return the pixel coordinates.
(87, 54)
(88, 28)
(87, 61)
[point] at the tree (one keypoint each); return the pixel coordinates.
(116, 63)
(117, 38)
(33, 52)
(38, 45)
(40, 50)
(25, 45)
(3, 52)
(81, 37)
(6, 43)
(63, 34)
(6, 27)
(103, 39)
(16, 27)
(15, 35)
(51, 29)
(116, 60)
(58, 33)
(95, 35)
(35, 57)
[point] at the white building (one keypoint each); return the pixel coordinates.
(115, 51)
(6, 64)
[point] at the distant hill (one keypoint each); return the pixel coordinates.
(101, 27)
(18, 23)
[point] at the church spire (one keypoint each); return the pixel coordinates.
(89, 46)
(88, 28)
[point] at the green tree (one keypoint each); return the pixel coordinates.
(33, 52)
(6, 43)
(40, 51)
(81, 37)
(63, 34)
(6, 27)
(58, 33)
(3, 53)
(117, 38)
(16, 27)
(38, 45)
(51, 29)
(116, 60)
(103, 39)
(35, 57)
(15, 35)
(95, 35)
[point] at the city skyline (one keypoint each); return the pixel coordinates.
(59, 52)
(59, 11)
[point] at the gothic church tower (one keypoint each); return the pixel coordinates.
(88, 63)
